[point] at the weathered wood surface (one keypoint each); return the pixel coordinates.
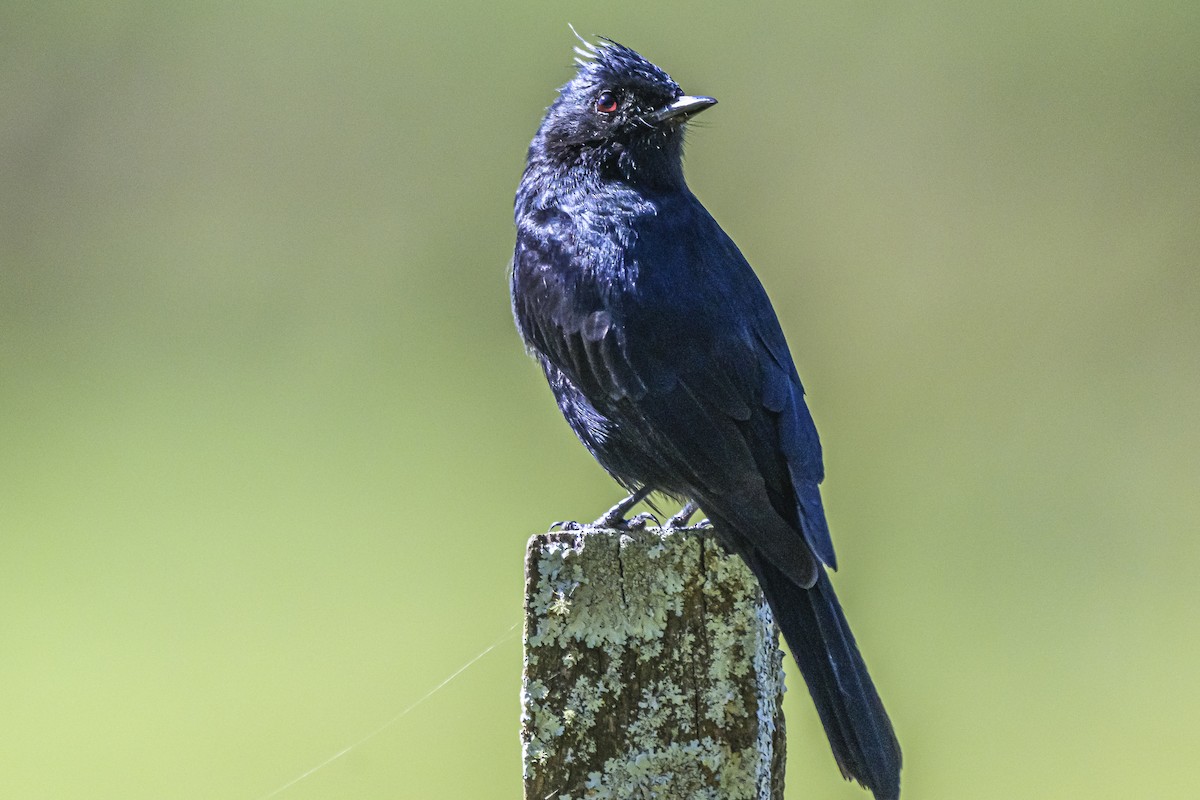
(651, 671)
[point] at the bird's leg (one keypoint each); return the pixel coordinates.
(615, 516)
(680, 520)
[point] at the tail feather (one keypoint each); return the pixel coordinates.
(860, 733)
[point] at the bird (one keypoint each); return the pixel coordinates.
(667, 360)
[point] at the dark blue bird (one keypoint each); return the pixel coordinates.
(668, 362)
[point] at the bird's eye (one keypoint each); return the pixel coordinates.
(606, 103)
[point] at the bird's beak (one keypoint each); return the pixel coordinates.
(680, 109)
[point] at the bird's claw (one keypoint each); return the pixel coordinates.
(619, 522)
(606, 522)
(639, 522)
(680, 519)
(615, 517)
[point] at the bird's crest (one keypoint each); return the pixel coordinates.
(610, 60)
(585, 55)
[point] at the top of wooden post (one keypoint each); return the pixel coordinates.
(651, 670)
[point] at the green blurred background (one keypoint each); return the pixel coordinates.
(271, 448)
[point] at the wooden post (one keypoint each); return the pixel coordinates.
(651, 670)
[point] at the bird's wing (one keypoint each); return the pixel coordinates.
(565, 317)
(719, 374)
(783, 396)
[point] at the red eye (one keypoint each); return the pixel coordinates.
(606, 103)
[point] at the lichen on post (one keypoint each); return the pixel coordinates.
(651, 670)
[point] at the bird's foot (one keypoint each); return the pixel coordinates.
(680, 520)
(635, 523)
(615, 517)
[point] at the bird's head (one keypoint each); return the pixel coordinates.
(619, 112)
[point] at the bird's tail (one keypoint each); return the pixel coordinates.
(815, 629)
